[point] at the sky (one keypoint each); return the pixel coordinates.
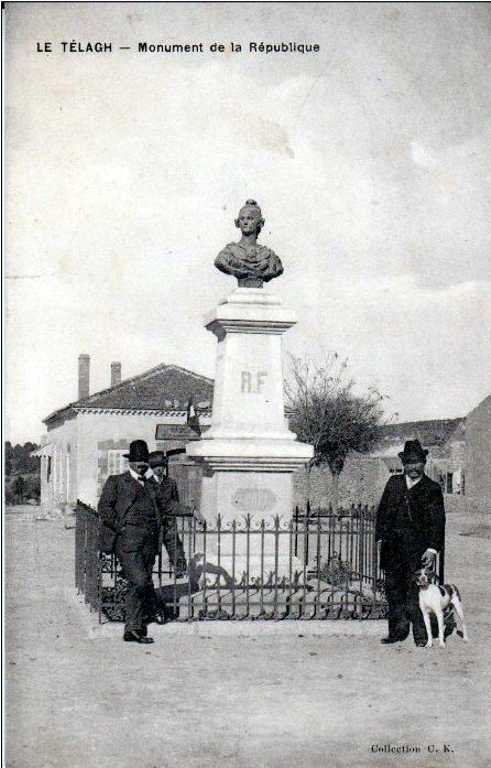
(124, 173)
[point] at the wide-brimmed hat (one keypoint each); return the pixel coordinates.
(138, 451)
(413, 451)
(157, 459)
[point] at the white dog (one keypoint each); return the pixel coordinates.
(434, 598)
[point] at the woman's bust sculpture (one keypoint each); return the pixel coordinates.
(250, 263)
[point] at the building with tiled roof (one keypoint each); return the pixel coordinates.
(86, 440)
(433, 434)
(166, 389)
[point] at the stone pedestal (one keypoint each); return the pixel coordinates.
(249, 452)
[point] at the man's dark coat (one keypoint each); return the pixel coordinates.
(117, 497)
(422, 508)
(409, 521)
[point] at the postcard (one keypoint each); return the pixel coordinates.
(247, 307)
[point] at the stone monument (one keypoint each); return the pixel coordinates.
(249, 452)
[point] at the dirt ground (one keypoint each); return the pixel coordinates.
(75, 698)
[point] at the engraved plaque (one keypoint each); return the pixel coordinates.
(254, 499)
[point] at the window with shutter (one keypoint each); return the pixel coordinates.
(116, 463)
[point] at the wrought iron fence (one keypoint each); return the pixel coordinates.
(319, 564)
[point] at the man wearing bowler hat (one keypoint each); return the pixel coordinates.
(158, 463)
(169, 497)
(132, 509)
(411, 528)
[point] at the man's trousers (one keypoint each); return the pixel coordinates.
(403, 596)
(136, 549)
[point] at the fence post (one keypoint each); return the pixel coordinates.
(261, 582)
(296, 530)
(219, 556)
(276, 556)
(234, 534)
(318, 597)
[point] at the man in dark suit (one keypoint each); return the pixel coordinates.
(132, 509)
(158, 463)
(411, 527)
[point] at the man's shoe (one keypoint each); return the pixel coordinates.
(421, 644)
(390, 639)
(132, 636)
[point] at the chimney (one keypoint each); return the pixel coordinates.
(115, 374)
(83, 376)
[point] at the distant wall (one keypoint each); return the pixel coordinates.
(478, 458)
(362, 481)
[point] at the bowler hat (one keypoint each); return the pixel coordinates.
(138, 451)
(413, 451)
(157, 459)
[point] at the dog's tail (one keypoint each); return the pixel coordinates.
(452, 590)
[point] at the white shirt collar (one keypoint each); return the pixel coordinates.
(411, 483)
(148, 474)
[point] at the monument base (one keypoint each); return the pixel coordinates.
(255, 509)
(243, 491)
(249, 452)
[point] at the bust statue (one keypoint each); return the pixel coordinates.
(250, 263)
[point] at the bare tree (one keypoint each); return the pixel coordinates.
(325, 411)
